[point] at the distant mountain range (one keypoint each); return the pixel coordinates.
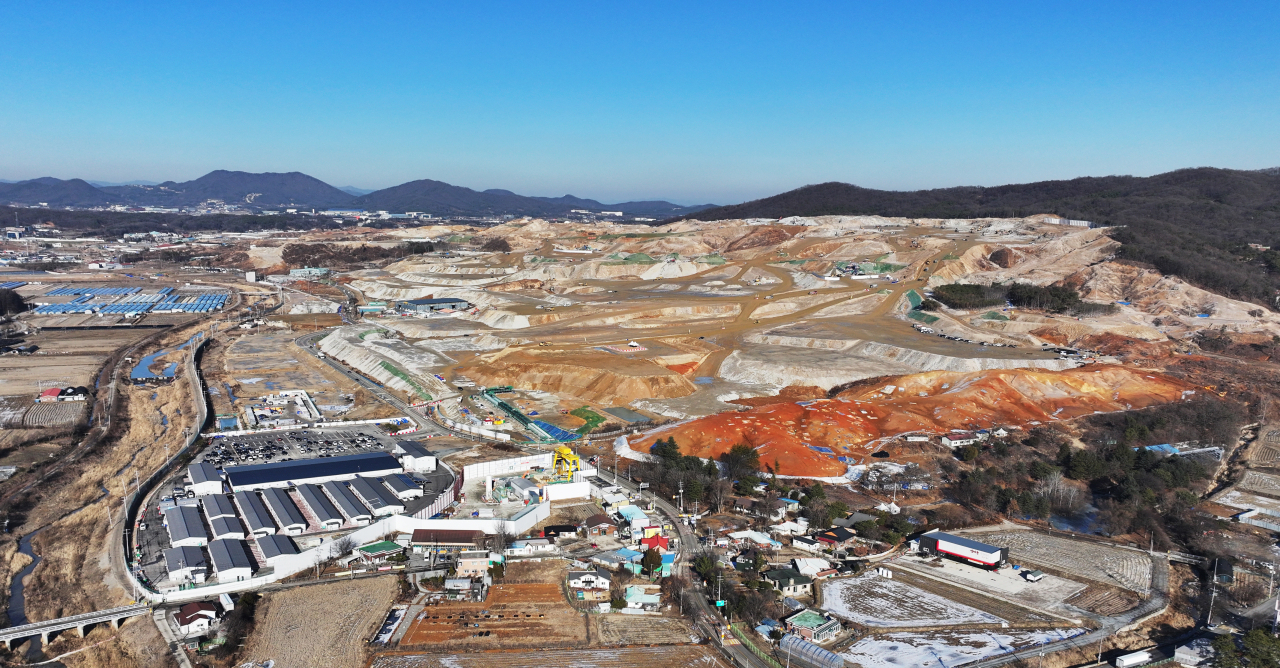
(297, 190)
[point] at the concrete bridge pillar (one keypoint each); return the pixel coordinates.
(115, 623)
(44, 637)
(81, 629)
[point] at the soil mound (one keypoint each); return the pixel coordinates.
(823, 437)
(590, 375)
(758, 238)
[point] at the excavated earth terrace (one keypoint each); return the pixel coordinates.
(822, 438)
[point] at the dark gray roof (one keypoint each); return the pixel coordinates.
(255, 514)
(399, 483)
(965, 542)
(286, 511)
(184, 522)
(202, 472)
(228, 554)
(437, 300)
(223, 526)
(413, 448)
(319, 504)
(310, 469)
(217, 505)
(374, 494)
(177, 558)
(345, 500)
(276, 546)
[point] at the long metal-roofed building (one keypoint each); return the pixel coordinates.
(185, 563)
(347, 502)
(275, 547)
(255, 515)
(965, 549)
(186, 529)
(231, 560)
(311, 471)
(320, 506)
(205, 479)
(217, 505)
(403, 486)
(437, 304)
(227, 527)
(285, 510)
(377, 497)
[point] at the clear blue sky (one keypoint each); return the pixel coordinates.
(694, 102)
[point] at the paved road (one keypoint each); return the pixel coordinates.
(688, 542)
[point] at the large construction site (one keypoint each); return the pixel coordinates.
(520, 375)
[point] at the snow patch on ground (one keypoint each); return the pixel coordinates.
(945, 648)
(872, 600)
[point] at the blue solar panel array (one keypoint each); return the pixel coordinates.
(132, 303)
(97, 292)
(189, 304)
(556, 432)
(11, 285)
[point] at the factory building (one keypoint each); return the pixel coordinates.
(186, 529)
(376, 497)
(217, 505)
(415, 457)
(231, 560)
(432, 305)
(287, 515)
(255, 515)
(965, 549)
(311, 471)
(347, 503)
(185, 564)
(205, 479)
(225, 528)
(276, 547)
(320, 506)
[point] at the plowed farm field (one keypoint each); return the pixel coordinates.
(514, 615)
(669, 656)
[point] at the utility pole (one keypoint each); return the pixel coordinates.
(1213, 592)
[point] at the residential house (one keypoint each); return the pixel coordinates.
(789, 581)
(660, 543)
(600, 525)
(529, 547)
(196, 618)
(807, 544)
(476, 563)
(590, 585)
(837, 538)
(638, 598)
(813, 626)
(810, 567)
(753, 538)
(790, 528)
(959, 439)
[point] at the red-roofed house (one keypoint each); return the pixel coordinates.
(196, 617)
(50, 394)
(662, 543)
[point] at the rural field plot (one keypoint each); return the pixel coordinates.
(324, 626)
(1007, 611)
(12, 409)
(637, 630)
(514, 615)
(944, 648)
(1260, 483)
(670, 656)
(53, 414)
(872, 600)
(1100, 563)
(1104, 600)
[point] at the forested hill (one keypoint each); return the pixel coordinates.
(1194, 223)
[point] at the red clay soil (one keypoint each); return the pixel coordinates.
(854, 422)
(683, 369)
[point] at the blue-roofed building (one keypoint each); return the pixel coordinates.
(311, 471)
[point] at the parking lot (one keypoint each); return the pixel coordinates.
(283, 446)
